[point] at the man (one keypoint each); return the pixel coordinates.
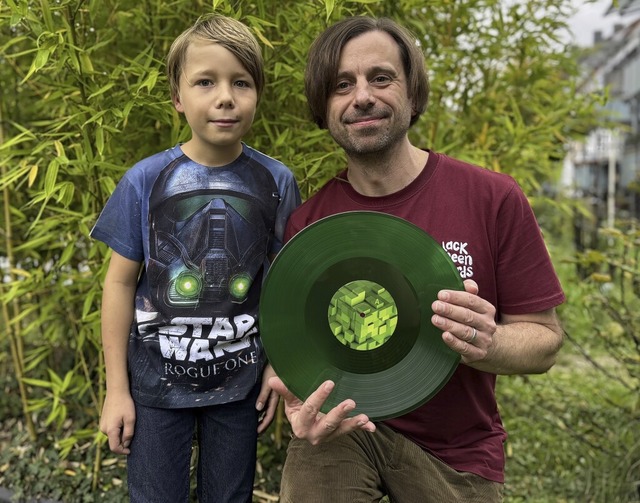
(366, 82)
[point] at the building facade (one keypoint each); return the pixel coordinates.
(604, 170)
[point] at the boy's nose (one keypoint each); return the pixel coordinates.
(224, 97)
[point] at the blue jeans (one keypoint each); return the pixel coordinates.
(159, 462)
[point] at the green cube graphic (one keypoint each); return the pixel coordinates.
(362, 315)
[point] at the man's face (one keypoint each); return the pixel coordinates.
(369, 111)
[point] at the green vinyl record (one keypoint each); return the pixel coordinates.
(349, 299)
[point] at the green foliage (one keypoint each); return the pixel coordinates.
(571, 436)
(83, 97)
(611, 305)
(574, 431)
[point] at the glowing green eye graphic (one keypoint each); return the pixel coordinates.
(188, 285)
(239, 285)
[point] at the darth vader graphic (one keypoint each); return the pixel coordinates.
(210, 230)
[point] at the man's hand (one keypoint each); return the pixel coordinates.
(309, 423)
(468, 321)
(520, 344)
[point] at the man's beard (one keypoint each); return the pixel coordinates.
(371, 141)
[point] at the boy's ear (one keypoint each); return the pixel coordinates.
(177, 103)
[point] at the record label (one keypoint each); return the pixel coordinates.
(362, 315)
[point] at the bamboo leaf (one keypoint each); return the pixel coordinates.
(67, 254)
(40, 383)
(11, 143)
(87, 305)
(150, 81)
(59, 149)
(329, 5)
(102, 90)
(35, 360)
(67, 380)
(261, 37)
(100, 141)
(33, 174)
(50, 177)
(85, 62)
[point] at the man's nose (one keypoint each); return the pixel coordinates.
(363, 97)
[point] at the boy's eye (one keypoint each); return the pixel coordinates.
(242, 83)
(205, 83)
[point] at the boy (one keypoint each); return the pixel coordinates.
(192, 231)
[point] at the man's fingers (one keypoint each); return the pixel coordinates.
(309, 423)
(313, 404)
(279, 387)
(339, 413)
(359, 422)
(316, 399)
(471, 286)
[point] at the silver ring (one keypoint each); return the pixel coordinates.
(473, 336)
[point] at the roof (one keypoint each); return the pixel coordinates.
(623, 7)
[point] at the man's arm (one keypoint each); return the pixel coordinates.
(519, 344)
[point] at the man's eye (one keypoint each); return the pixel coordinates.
(381, 79)
(341, 86)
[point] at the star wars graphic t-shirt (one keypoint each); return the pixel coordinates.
(203, 235)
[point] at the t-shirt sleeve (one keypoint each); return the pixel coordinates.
(526, 279)
(119, 224)
(290, 200)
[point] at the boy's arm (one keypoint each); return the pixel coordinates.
(118, 413)
(267, 402)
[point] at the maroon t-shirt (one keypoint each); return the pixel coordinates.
(485, 223)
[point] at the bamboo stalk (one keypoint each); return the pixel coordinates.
(12, 331)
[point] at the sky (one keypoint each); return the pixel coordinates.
(590, 17)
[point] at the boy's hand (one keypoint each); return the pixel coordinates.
(118, 420)
(267, 402)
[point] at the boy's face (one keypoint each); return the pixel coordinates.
(218, 98)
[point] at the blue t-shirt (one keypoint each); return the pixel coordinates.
(204, 235)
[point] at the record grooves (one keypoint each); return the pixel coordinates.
(349, 299)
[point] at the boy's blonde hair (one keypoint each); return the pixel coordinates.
(225, 31)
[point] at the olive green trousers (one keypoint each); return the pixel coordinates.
(364, 467)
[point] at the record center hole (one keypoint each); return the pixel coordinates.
(362, 315)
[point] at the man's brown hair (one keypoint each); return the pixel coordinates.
(324, 57)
